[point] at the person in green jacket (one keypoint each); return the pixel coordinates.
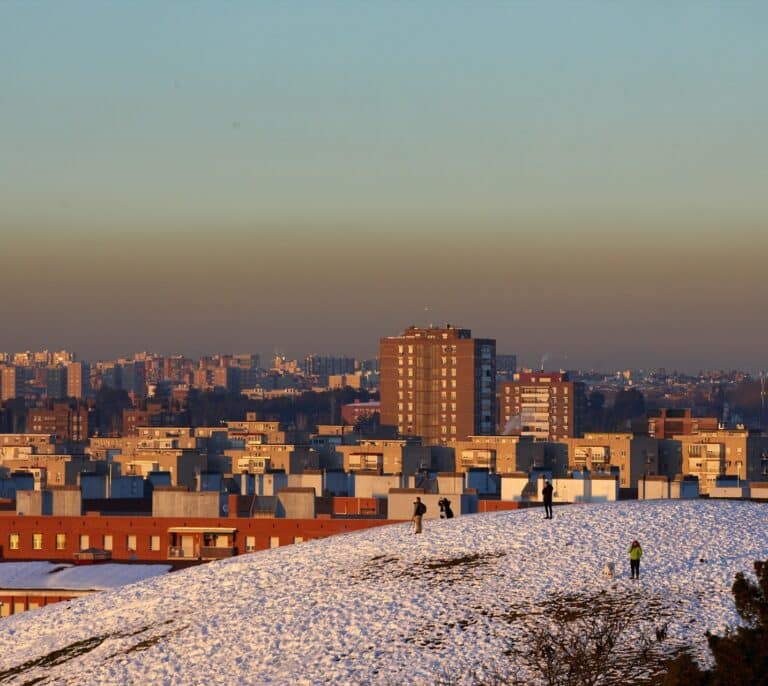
(635, 553)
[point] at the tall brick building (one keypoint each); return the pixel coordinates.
(439, 384)
(66, 422)
(543, 405)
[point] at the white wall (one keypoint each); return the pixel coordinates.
(567, 490)
(604, 490)
(512, 487)
(375, 485)
(729, 491)
(653, 489)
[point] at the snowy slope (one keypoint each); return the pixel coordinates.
(386, 606)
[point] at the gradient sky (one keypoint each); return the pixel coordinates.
(588, 180)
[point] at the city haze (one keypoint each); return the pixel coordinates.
(584, 181)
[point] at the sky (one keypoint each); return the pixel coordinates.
(583, 180)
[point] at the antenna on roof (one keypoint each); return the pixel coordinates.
(426, 317)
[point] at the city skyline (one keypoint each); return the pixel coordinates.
(583, 181)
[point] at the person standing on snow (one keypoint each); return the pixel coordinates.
(635, 553)
(445, 508)
(419, 509)
(546, 493)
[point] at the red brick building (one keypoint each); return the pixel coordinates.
(666, 423)
(67, 423)
(156, 539)
(439, 384)
(543, 405)
(351, 413)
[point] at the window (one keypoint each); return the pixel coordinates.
(130, 543)
(154, 543)
(274, 541)
(298, 539)
(250, 543)
(85, 542)
(107, 542)
(13, 541)
(61, 541)
(37, 541)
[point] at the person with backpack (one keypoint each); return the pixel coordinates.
(419, 509)
(445, 508)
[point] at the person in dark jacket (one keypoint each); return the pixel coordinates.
(419, 509)
(546, 493)
(445, 508)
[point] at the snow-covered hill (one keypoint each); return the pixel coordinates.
(387, 606)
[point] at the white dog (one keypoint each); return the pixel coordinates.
(609, 571)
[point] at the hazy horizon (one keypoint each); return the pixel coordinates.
(583, 180)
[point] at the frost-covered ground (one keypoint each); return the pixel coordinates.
(387, 606)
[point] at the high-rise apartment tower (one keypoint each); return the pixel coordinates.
(439, 384)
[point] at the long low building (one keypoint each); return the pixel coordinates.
(29, 585)
(160, 539)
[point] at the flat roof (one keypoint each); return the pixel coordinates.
(53, 576)
(201, 530)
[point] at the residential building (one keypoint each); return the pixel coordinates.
(56, 382)
(542, 405)
(11, 383)
(323, 366)
(78, 379)
(632, 456)
(352, 413)
(386, 456)
(724, 452)
(66, 423)
(666, 423)
(499, 454)
(253, 431)
(439, 384)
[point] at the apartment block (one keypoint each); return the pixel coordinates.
(255, 432)
(724, 452)
(386, 456)
(666, 423)
(67, 423)
(633, 456)
(439, 384)
(11, 383)
(78, 379)
(262, 458)
(499, 454)
(542, 405)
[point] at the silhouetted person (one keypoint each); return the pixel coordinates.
(546, 493)
(445, 508)
(635, 553)
(419, 509)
